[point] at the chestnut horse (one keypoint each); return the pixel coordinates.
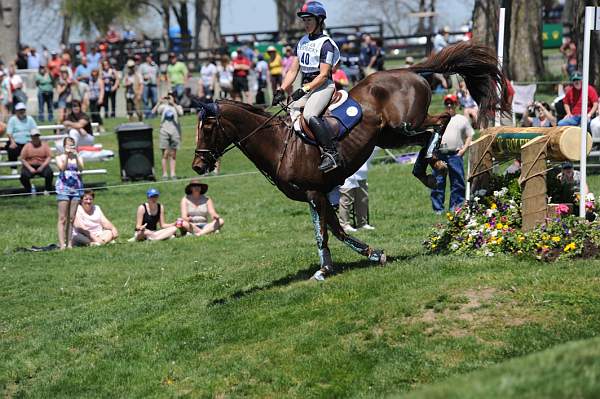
(390, 100)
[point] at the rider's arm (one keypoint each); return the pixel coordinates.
(290, 77)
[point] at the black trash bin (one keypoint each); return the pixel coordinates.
(136, 153)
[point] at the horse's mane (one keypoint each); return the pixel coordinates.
(247, 107)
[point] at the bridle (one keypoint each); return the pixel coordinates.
(212, 156)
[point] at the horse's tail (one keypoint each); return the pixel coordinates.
(478, 65)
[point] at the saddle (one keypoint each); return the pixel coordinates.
(342, 114)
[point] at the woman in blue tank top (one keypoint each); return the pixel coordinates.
(315, 56)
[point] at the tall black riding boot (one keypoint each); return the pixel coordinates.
(330, 158)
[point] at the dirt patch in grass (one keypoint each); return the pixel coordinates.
(462, 314)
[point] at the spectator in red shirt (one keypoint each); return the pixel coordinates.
(572, 102)
(54, 64)
(241, 67)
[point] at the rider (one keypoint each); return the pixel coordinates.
(315, 55)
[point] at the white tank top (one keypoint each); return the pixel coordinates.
(309, 54)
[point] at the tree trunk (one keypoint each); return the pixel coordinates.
(166, 16)
(286, 17)
(525, 43)
(485, 22)
(573, 21)
(181, 13)
(432, 17)
(208, 23)
(66, 30)
(486, 15)
(9, 29)
(421, 24)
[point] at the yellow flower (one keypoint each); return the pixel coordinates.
(433, 246)
(500, 239)
(493, 206)
(435, 238)
(487, 225)
(556, 238)
(545, 236)
(569, 247)
(499, 226)
(520, 238)
(544, 247)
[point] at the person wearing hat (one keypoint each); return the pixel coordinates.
(570, 177)
(36, 157)
(150, 220)
(572, 102)
(54, 64)
(455, 141)
(275, 68)
(315, 57)
(177, 76)
(199, 210)
(132, 82)
(18, 130)
(440, 40)
(169, 134)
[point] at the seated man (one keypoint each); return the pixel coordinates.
(19, 131)
(36, 157)
(572, 102)
(79, 126)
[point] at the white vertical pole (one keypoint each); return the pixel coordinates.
(587, 28)
(501, 26)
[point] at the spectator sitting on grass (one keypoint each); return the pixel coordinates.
(78, 125)
(91, 227)
(35, 158)
(150, 216)
(196, 208)
(538, 115)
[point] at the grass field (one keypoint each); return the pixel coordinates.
(233, 315)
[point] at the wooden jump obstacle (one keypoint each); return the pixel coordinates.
(536, 145)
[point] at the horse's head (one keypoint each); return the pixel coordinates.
(211, 140)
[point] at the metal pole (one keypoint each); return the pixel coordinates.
(587, 28)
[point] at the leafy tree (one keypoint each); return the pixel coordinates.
(100, 14)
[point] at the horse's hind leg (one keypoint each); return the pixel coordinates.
(375, 255)
(318, 202)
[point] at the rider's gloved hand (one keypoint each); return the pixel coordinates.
(278, 97)
(298, 94)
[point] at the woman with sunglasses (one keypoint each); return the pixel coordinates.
(315, 56)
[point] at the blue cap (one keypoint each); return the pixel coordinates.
(152, 193)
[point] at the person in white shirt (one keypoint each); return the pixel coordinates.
(208, 74)
(354, 196)
(455, 141)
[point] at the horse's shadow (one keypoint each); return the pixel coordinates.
(303, 275)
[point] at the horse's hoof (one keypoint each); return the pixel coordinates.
(318, 276)
(378, 255)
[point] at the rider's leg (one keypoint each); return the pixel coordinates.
(315, 105)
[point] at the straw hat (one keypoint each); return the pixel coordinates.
(196, 183)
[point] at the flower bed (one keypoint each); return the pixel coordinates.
(492, 225)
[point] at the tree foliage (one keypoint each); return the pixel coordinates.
(100, 14)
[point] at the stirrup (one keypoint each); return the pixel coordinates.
(328, 162)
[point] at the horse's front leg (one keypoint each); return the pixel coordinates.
(318, 202)
(375, 255)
